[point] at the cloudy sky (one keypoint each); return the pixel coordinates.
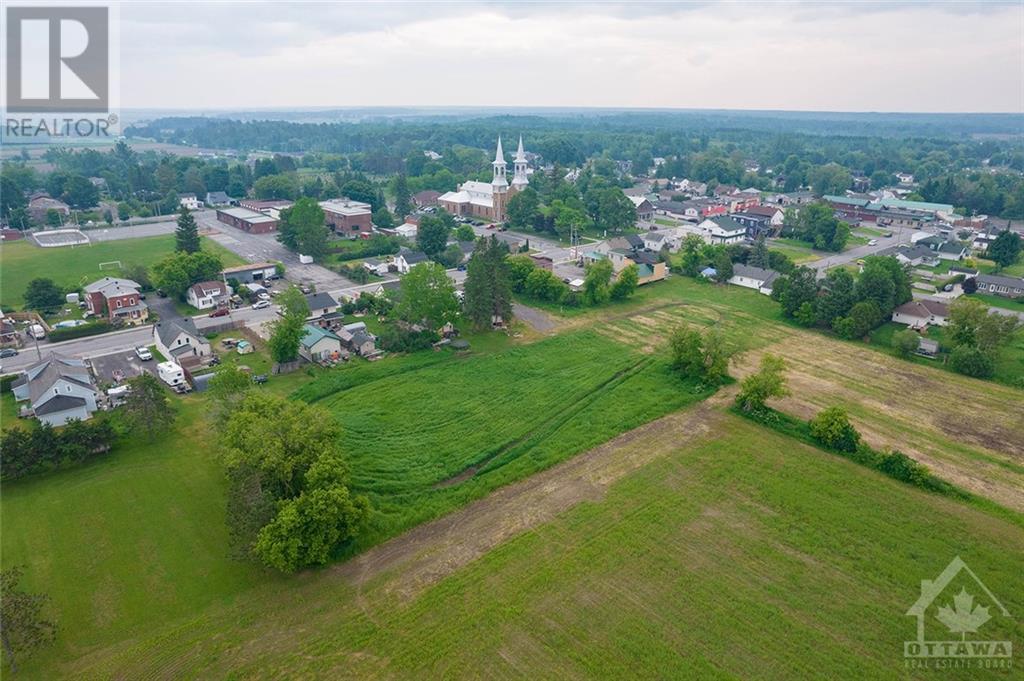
(905, 56)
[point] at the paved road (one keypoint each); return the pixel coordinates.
(828, 260)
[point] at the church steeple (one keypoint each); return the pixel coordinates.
(520, 179)
(500, 168)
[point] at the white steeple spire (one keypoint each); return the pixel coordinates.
(500, 167)
(499, 155)
(520, 179)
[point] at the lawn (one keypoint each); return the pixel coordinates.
(735, 555)
(798, 253)
(419, 452)
(999, 301)
(77, 266)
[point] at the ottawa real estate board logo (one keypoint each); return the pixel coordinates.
(60, 76)
(952, 612)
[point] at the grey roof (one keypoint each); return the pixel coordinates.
(320, 299)
(635, 240)
(60, 403)
(923, 308)
(182, 349)
(751, 272)
(1001, 280)
(43, 375)
(127, 285)
(414, 257)
(655, 237)
(217, 197)
(360, 337)
(728, 224)
(951, 247)
(170, 329)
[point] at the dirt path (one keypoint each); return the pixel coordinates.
(540, 321)
(428, 553)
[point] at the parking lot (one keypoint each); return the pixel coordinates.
(124, 362)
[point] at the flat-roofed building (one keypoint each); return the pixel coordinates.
(247, 220)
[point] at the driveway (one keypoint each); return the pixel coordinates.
(125, 362)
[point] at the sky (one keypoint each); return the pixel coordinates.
(828, 56)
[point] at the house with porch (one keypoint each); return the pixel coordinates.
(58, 389)
(116, 299)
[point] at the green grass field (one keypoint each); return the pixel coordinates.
(745, 554)
(418, 452)
(21, 262)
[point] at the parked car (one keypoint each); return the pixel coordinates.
(160, 292)
(259, 378)
(263, 295)
(143, 353)
(873, 242)
(261, 305)
(220, 312)
(8, 352)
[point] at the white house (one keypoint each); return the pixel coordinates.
(58, 389)
(190, 201)
(919, 314)
(407, 230)
(376, 266)
(406, 260)
(756, 278)
(207, 294)
(723, 230)
(318, 344)
(178, 338)
(321, 304)
(655, 241)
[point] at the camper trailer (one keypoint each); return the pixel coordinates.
(171, 373)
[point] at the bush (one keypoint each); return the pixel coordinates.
(832, 428)
(396, 338)
(905, 342)
(70, 333)
(971, 361)
(6, 381)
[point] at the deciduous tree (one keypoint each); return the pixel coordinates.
(768, 382)
(23, 626)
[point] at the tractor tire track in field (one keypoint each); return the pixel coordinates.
(428, 553)
(548, 426)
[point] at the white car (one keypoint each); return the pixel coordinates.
(263, 295)
(143, 353)
(873, 242)
(261, 305)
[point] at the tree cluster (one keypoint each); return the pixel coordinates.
(703, 357)
(488, 286)
(287, 331)
(28, 451)
(176, 272)
(977, 336)
(288, 501)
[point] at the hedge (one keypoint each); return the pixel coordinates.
(70, 333)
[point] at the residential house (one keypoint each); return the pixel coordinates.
(39, 206)
(57, 389)
(318, 344)
(999, 285)
(208, 294)
(407, 230)
(406, 260)
(375, 266)
(919, 314)
(756, 225)
(912, 255)
(723, 230)
(321, 306)
(356, 338)
(178, 339)
(189, 201)
(655, 241)
(644, 208)
(117, 300)
(756, 278)
(217, 199)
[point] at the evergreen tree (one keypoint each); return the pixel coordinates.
(403, 204)
(488, 288)
(759, 254)
(186, 236)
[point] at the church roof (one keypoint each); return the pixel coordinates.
(520, 154)
(499, 155)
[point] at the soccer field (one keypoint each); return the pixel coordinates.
(21, 262)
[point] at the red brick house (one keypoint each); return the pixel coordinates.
(247, 220)
(116, 300)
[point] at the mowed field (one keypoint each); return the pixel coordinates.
(967, 431)
(685, 551)
(21, 262)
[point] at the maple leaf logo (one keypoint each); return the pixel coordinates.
(964, 616)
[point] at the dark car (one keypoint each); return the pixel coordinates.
(160, 292)
(220, 312)
(8, 352)
(259, 378)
